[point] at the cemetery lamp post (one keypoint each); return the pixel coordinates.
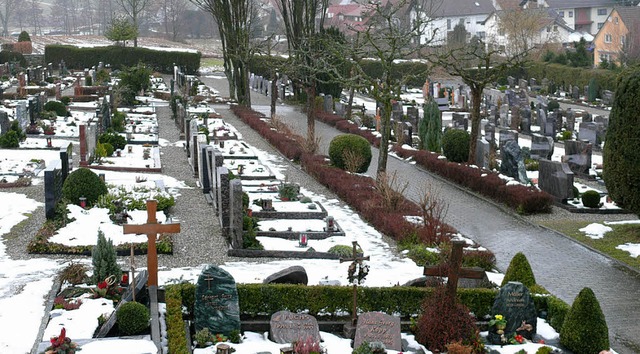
(83, 202)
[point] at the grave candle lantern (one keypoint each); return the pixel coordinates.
(303, 240)
(48, 142)
(124, 281)
(83, 202)
(330, 223)
(129, 149)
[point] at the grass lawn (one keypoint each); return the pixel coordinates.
(204, 62)
(621, 234)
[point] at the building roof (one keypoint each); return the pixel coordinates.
(456, 8)
(629, 14)
(575, 4)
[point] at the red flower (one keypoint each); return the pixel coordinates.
(102, 285)
(59, 340)
(541, 341)
(519, 338)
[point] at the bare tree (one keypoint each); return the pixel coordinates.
(105, 13)
(172, 12)
(393, 32)
(35, 12)
(133, 9)
(302, 21)
(522, 28)
(234, 19)
(478, 65)
(7, 8)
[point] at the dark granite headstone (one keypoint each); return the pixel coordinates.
(577, 154)
(236, 214)
(53, 182)
(541, 147)
(490, 133)
(571, 120)
(506, 136)
(412, 116)
(525, 120)
(378, 327)
(291, 275)
(556, 179)
(216, 304)
(483, 153)
(511, 81)
(512, 163)
(397, 111)
(588, 132)
(5, 123)
(460, 121)
(516, 305)
(288, 327)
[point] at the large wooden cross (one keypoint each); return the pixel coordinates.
(355, 259)
(152, 228)
(455, 272)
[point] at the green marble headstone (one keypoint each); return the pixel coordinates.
(216, 305)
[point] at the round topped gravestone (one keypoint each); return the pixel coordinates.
(216, 304)
(515, 304)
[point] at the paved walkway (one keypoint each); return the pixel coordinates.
(561, 265)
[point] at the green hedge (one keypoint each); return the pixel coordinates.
(176, 332)
(119, 57)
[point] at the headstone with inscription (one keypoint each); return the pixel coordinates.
(216, 304)
(288, 327)
(577, 154)
(378, 327)
(515, 304)
(556, 179)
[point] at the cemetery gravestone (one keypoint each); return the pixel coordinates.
(53, 182)
(339, 109)
(378, 327)
(588, 132)
(412, 115)
(216, 306)
(328, 103)
(516, 305)
(506, 136)
(236, 214)
(512, 164)
(483, 153)
(525, 120)
(288, 327)
(541, 147)
(556, 179)
(490, 134)
(578, 156)
(571, 120)
(5, 123)
(291, 275)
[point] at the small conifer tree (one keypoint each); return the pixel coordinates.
(585, 328)
(430, 129)
(520, 270)
(103, 258)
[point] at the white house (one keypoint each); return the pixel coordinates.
(583, 15)
(445, 15)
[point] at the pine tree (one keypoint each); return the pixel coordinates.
(621, 155)
(430, 129)
(103, 258)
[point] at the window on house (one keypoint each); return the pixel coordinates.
(615, 20)
(623, 40)
(501, 32)
(555, 28)
(602, 12)
(607, 38)
(600, 24)
(481, 35)
(570, 13)
(448, 24)
(548, 28)
(561, 13)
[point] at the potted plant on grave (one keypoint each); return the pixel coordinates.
(288, 191)
(62, 344)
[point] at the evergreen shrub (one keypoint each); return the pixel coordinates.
(132, 318)
(585, 329)
(24, 37)
(343, 145)
(519, 270)
(103, 259)
(455, 145)
(83, 183)
(56, 106)
(116, 140)
(591, 199)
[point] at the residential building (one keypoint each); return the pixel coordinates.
(619, 36)
(583, 15)
(443, 16)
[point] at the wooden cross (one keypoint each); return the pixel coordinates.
(152, 228)
(355, 260)
(455, 272)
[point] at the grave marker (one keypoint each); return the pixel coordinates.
(356, 262)
(378, 327)
(288, 327)
(216, 306)
(516, 305)
(556, 179)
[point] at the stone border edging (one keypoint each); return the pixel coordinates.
(248, 253)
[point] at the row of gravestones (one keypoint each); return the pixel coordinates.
(263, 85)
(574, 91)
(217, 308)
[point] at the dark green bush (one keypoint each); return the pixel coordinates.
(576, 192)
(621, 153)
(119, 57)
(343, 251)
(519, 270)
(455, 145)
(553, 105)
(118, 121)
(132, 318)
(591, 199)
(585, 329)
(24, 37)
(116, 140)
(83, 183)
(9, 57)
(88, 81)
(56, 106)
(422, 256)
(9, 140)
(108, 149)
(350, 152)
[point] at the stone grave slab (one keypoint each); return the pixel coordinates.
(216, 304)
(541, 147)
(556, 179)
(287, 327)
(577, 154)
(515, 303)
(378, 327)
(291, 275)
(141, 282)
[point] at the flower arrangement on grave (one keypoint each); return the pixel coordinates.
(307, 345)
(358, 271)
(62, 344)
(288, 191)
(108, 289)
(62, 303)
(499, 322)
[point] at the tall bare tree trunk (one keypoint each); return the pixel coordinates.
(476, 96)
(384, 140)
(311, 112)
(274, 92)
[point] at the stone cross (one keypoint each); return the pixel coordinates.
(455, 272)
(152, 228)
(355, 259)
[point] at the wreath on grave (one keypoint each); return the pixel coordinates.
(358, 271)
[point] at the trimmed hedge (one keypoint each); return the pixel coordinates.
(176, 333)
(520, 270)
(350, 143)
(585, 329)
(132, 318)
(120, 57)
